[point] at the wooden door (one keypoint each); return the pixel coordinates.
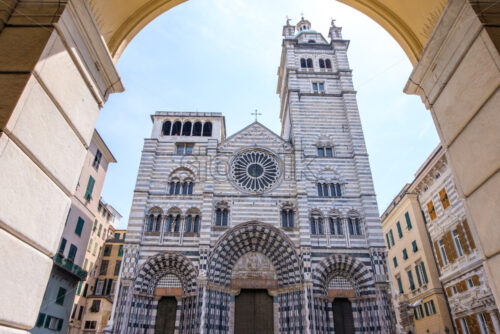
(165, 315)
(254, 313)
(343, 319)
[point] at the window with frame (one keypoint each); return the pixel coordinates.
(316, 225)
(329, 189)
(431, 210)
(400, 284)
(79, 226)
(405, 254)
(442, 251)
(107, 250)
(309, 63)
(287, 217)
(391, 236)
(118, 264)
(400, 231)
(96, 306)
(395, 260)
(61, 294)
(72, 252)
(325, 151)
(430, 309)
(104, 267)
(90, 188)
(354, 226)
(421, 274)
(419, 312)
(318, 87)
(483, 324)
(408, 221)
(62, 246)
(388, 241)
(221, 216)
(192, 223)
(458, 243)
(414, 246)
(173, 222)
(443, 197)
(99, 230)
(184, 148)
(97, 159)
(90, 324)
(120, 250)
(53, 323)
(336, 227)
(95, 248)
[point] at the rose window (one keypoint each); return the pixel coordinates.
(255, 171)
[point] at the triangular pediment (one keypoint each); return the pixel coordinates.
(256, 135)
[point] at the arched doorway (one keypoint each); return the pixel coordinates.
(164, 289)
(343, 320)
(252, 262)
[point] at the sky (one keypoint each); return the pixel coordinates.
(223, 55)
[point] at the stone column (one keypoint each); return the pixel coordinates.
(55, 75)
(457, 77)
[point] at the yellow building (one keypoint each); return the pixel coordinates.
(419, 300)
(100, 300)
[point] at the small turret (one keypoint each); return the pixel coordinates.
(288, 29)
(335, 32)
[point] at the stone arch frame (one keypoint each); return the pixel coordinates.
(178, 174)
(347, 266)
(258, 237)
(168, 262)
(157, 213)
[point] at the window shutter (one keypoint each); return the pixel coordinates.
(475, 324)
(469, 235)
(419, 279)
(459, 326)
(388, 242)
(59, 324)
(461, 236)
(422, 266)
(448, 291)
(459, 287)
(475, 279)
(426, 309)
(90, 188)
(450, 247)
(41, 318)
(408, 221)
(79, 226)
(438, 254)
(489, 322)
(464, 285)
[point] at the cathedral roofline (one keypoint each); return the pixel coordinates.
(187, 114)
(250, 125)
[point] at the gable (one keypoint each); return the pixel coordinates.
(254, 135)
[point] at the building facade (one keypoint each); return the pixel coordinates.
(99, 303)
(259, 232)
(70, 262)
(419, 299)
(461, 268)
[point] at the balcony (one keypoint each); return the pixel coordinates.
(69, 266)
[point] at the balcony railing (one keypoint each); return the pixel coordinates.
(69, 266)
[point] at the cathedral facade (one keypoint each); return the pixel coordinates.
(259, 232)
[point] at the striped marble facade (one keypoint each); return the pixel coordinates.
(304, 263)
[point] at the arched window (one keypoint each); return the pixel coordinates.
(329, 189)
(309, 63)
(303, 63)
(328, 63)
(196, 228)
(287, 217)
(177, 188)
(151, 220)
(166, 128)
(325, 189)
(354, 225)
(197, 129)
(320, 189)
(190, 188)
(336, 227)
(207, 129)
(185, 186)
(321, 63)
(176, 129)
(221, 217)
(158, 223)
(170, 222)
(317, 225)
(188, 224)
(177, 223)
(186, 129)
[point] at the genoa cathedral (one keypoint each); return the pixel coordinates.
(259, 232)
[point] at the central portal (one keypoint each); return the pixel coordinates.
(342, 316)
(254, 312)
(165, 316)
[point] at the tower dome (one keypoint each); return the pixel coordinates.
(303, 25)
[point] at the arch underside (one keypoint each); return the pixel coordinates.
(409, 22)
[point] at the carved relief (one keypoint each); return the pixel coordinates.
(254, 265)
